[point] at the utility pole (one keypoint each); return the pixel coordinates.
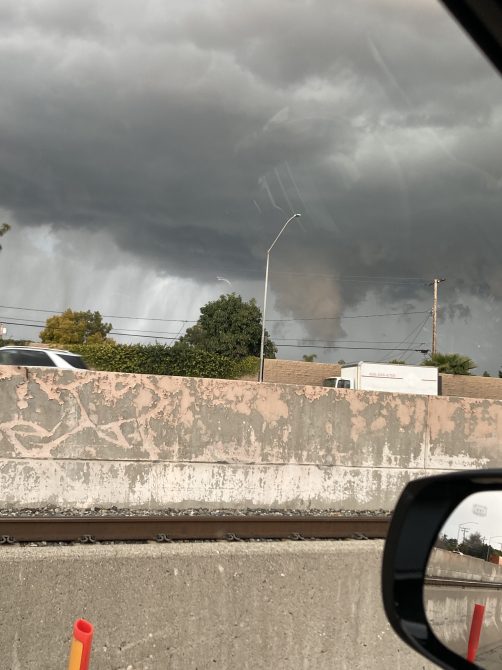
(434, 283)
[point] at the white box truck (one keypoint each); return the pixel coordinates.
(417, 379)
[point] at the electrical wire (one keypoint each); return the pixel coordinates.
(350, 316)
(313, 318)
(414, 333)
(308, 340)
(105, 316)
(314, 346)
(112, 332)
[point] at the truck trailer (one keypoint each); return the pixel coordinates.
(362, 376)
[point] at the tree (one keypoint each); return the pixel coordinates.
(230, 327)
(396, 361)
(486, 374)
(4, 228)
(474, 546)
(309, 358)
(75, 328)
(445, 542)
(451, 364)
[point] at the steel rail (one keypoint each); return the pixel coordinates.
(170, 528)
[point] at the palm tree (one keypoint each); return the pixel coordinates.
(451, 364)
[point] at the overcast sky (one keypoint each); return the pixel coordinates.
(479, 513)
(148, 148)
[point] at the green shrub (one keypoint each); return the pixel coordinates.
(158, 359)
(247, 367)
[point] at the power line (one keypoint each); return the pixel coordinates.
(17, 323)
(298, 346)
(355, 279)
(140, 318)
(350, 316)
(150, 332)
(415, 332)
(410, 344)
(105, 316)
(112, 332)
(365, 278)
(308, 340)
(315, 346)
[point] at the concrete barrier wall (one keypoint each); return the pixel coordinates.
(81, 438)
(255, 606)
(449, 611)
(450, 608)
(447, 565)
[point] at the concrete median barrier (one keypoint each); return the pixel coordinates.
(254, 605)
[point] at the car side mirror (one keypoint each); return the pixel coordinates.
(442, 569)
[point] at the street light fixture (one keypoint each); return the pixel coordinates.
(262, 344)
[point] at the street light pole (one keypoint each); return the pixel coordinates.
(262, 343)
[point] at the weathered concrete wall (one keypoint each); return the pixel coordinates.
(81, 438)
(447, 565)
(254, 606)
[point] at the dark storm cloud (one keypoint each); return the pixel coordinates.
(189, 131)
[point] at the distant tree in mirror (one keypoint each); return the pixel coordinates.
(448, 543)
(451, 364)
(309, 358)
(474, 546)
(75, 328)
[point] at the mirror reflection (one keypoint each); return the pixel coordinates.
(463, 583)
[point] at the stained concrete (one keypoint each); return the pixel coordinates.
(76, 438)
(281, 605)
(447, 565)
(450, 609)
(142, 485)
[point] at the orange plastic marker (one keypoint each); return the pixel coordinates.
(80, 650)
(475, 633)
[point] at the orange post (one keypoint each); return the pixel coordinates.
(80, 650)
(475, 634)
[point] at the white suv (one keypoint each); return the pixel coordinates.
(41, 357)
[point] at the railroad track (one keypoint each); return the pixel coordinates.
(172, 528)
